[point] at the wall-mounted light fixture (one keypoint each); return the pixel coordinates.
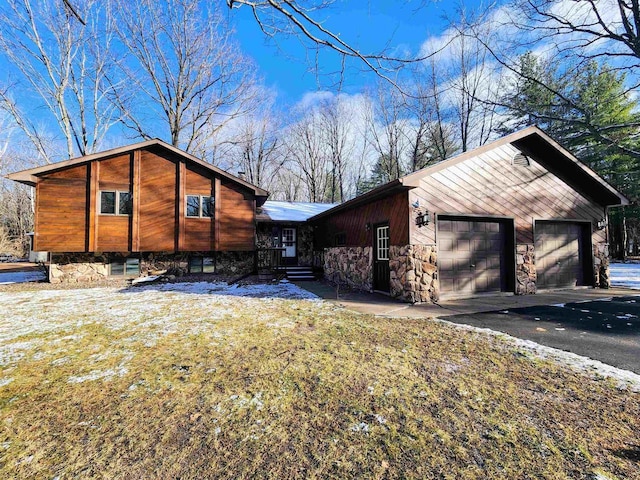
(423, 218)
(602, 224)
(367, 226)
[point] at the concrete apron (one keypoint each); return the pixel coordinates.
(382, 305)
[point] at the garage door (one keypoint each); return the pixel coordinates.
(559, 254)
(471, 256)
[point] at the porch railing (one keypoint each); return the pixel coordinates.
(269, 259)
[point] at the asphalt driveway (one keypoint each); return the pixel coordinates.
(605, 330)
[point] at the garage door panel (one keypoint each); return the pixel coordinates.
(560, 254)
(471, 256)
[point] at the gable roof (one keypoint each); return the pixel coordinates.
(277, 211)
(28, 177)
(531, 141)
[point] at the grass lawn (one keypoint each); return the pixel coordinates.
(185, 382)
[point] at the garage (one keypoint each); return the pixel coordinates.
(561, 249)
(472, 255)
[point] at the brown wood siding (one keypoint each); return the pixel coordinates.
(488, 184)
(198, 235)
(114, 231)
(236, 218)
(115, 173)
(157, 216)
(61, 202)
(393, 209)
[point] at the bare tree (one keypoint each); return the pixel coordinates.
(65, 63)
(186, 69)
(388, 133)
(257, 149)
(305, 148)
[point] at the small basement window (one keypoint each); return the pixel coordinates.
(116, 203)
(201, 265)
(124, 266)
(199, 206)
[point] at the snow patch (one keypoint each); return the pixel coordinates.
(626, 379)
(21, 277)
(625, 275)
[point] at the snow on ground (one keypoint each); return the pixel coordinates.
(20, 277)
(145, 313)
(625, 275)
(624, 378)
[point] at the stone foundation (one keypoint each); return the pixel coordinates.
(526, 275)
(234, 263)
(350, 266)
(601, 265)
(77, 268)
(414, 273)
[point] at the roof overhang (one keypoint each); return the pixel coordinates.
(534, 142)
(395, 186)
(30, 176)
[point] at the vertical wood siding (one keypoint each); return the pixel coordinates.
(393, 209)
(488, 184)
(113, 230)
(198, 234)
(236, 218)
(61, 211)
(157, 203)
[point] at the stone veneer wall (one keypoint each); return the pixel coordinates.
(305, 245)
(77, 268)
(81, 267)
(304, 241)
(601, 265)
(526, 274)
(349, 265)
(414, 273)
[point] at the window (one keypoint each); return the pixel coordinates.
(199, 206)
(382, 242)
(108, 203)
(116, 203)
(201, 265)
(124, 266)
(125, 203)
(340, 239)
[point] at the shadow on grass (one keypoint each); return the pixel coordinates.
(216, 286)
(632, 453)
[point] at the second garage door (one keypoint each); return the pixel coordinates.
(560, 254)
(471, 256)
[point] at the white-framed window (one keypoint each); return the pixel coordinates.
(199, 206)
(124, 266)
(382, 242)
(201, 265)
(115, 202)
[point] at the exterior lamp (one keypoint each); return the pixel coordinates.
(423, 218)
(602, 224)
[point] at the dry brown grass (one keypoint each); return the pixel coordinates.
(319, 393)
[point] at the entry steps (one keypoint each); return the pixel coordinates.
(298, 273)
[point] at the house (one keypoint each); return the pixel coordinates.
(517, 215)
(140, 208)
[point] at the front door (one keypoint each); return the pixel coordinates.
(289, 244)
(381, 258)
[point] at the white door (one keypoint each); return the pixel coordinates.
(289, 242)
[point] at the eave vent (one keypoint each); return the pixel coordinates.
(521, 160)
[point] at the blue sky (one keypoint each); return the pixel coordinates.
(370, 25)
